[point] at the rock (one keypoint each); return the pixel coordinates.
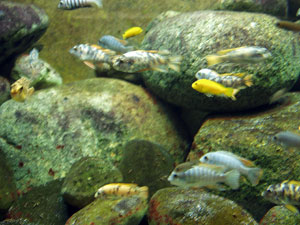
(4, 90)
(251, 136)
(146, 164)
(16, 222)
(57, 126)
(8, 191)
(39, 72)
(85, 177)
(280, 215)
(21, 25)
(195, 35)
(188, 206)
(121, 211)
(42, 205)
(273, 7)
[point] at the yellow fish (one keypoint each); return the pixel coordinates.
(21, 89)
(131, 32)
(122, 189)
(211, 87)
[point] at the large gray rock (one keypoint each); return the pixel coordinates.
(195, 35)
(56, 127)
(20, 26)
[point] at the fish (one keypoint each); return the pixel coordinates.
(142, 60)
(232, 161)
(195, 174)
(21, 90)
(298, 12)
(245, 54)
(292, 26)
(115, 44)
(209, 88)
(33, 56)
(131, 32)
(286, 193)
(278, 96)
(122, 189)
(95, 53)
(234, 80)
(288, 139)
(74, 4)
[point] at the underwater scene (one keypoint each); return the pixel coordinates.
(149, 112)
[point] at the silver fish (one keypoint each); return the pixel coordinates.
(246, 54)
(288, 139)
(93, 53)
(74, 4)
(234, 80)
(115, 44)
(195, 174)
(232, 161)
(142, 60)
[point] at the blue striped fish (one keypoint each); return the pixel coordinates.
(73, 4)
(115, 44)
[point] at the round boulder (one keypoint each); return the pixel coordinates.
(198, 34)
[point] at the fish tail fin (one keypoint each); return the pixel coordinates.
(248, 80)
(174, 63)
(231, 93)
(143, 192)
(130, 48)
(254, 174)
(98, 3)
(213, 59)
(232, 179)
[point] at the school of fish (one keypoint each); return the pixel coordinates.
(217, 170)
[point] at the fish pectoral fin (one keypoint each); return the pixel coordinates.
(30, 91)
(160, 69)
(291, 208)
(89, 64)
(225, 51)
(123, 42)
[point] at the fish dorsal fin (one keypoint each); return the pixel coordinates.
(225, 51)
(123, 42)
(186, 166)
(294, 182)
(124, 184)
(246, 162)
(217, 168)
(97, 46)
(233, 74)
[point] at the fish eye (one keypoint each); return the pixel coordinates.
(275, 137)
(175, 175)
(205, 158)
(21, 88)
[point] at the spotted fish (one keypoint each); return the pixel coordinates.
(234, 80)
(74, 4)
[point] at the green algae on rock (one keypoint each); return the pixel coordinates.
(121, 211)
(57, 126)
(8, 190)
(197, 34)
(251, 137)
(85, 177)
(4, 90)
(190, 206)
(280, 215)
(21, 26)
(146, 164)
(41, 205)
(16, 222)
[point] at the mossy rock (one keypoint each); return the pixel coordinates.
(146, 164)
(198, 34)
(190, 206)
(251, 136)
(4, 90)
(85, 177)
(280, 215)
(56, 127)
(121, 211)
(41, 205)
(21, 25)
